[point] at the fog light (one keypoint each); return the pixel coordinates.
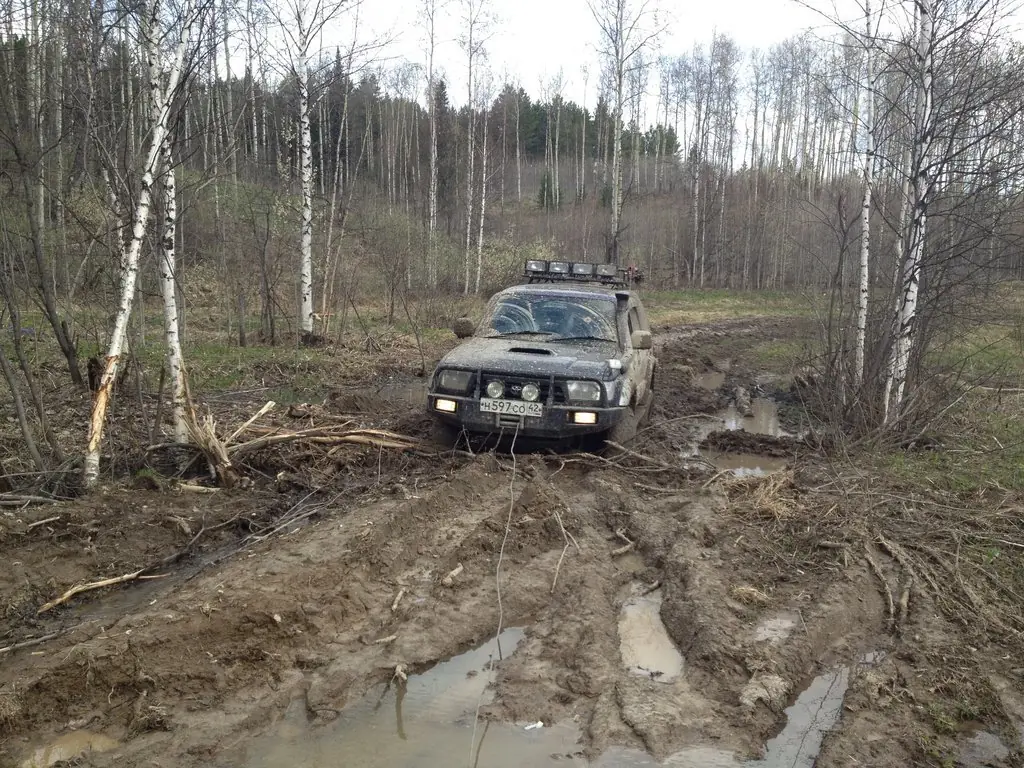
(531, 392)
(443, 404)
(584, 417)
(495, 388)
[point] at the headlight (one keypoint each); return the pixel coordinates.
(531, 392)
(584, 391)
(495, 388)
(454, 381)
(625, 393)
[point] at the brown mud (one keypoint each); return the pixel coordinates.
(653, 608)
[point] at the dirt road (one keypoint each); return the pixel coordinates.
(666, 607)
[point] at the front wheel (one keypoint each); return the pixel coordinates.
(625, 431)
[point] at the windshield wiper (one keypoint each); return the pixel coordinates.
(583, 338)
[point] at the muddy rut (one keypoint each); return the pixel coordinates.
(491, 610)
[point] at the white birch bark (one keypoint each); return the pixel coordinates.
(140, 219)
(168, 288)
(306, 176)
(865, 220)
(430, 11)
(896, 379)
(483, 205)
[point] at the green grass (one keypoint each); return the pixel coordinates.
(983, 449)
(697, 305)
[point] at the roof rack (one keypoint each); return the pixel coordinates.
(543, 271)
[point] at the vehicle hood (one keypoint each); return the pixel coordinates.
(536, 357)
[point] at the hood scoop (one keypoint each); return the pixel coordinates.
(531, 351)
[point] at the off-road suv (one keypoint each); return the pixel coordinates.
(567, 354)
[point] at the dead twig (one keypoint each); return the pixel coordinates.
(450, 578)
(904, 605)
(629, 545)
(30, 643)
(397, 600)
(80, 588)
(37, 523)
(877, 570)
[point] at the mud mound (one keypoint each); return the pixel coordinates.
(737, 441)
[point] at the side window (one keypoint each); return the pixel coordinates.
(633, 320)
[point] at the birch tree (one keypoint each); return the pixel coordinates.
(626, 29)
(430, 10)
(301, 23)
(868, 175)
(477, 21)
(163, 100)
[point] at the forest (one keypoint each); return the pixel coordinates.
(152, 150)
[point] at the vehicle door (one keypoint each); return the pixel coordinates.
(642, 359)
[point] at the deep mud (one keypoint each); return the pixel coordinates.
(652, 610)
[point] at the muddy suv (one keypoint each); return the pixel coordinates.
(567, 354)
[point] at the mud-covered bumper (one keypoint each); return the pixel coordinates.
(556, 423)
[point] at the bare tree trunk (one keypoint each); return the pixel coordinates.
(865, 220)
(483, 204)
(168, 288)
(896, 379)
(131, 261)
(306, 179)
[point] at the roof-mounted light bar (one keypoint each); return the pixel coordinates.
(541, 270)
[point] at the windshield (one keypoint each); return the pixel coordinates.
(555, 317)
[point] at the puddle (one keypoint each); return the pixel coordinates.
(644, 642)
(812, 715)
(431, 723)
(764, 419)
(69, 747)
(745, 464)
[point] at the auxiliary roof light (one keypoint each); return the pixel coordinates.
(606, 270)
(558, 267)
(582, 269)
(536, 265)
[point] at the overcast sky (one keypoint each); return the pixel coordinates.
(532, 39)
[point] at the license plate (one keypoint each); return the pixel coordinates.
(511, 407)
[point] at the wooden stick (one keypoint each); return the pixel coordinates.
(268, 406)
(386, 640)
(397, 600)
(626, 547)
(32, 642)
(80, 588)
(37, 523)
(450, 578)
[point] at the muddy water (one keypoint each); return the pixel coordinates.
(68, 748)
(429, 723)
(643, 640)
(815, 711)
(709, 380)
(764, 420)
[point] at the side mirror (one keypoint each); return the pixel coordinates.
(463, 327)
(641, 340)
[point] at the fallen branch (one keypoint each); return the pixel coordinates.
(29, 643)
(80, 588)
(397, 600)
(629, 545)
(15, 500)
(37, 523)
(386, 640)
(877, 570)
(268, 406)
(904, 605)
(450, 578)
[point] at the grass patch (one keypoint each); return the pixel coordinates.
(983, 449)
(698, 306)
